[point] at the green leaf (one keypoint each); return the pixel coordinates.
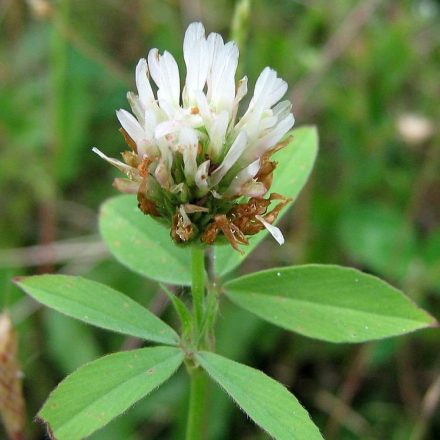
(295, 163)
(264, 400)
(180, 308)
(60, 331)
(98, 305)
(331, 303)
(142, 243)
(101, 390)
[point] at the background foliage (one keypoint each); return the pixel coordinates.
(366, 73)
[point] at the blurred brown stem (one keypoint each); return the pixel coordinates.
(429, 404)
(348, 390)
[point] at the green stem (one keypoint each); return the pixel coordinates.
(198, 285)
(197, 405)
(196, 409)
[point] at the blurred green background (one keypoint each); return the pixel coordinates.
(365, 72)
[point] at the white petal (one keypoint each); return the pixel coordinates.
(221, 83)
(195, 52)
(194, 33)
(131, 125)
(215, 46)
(162, 175)
(230, 159)
(165, 152)
(165, 128)
(125, 185)
(150, 123)
(131, 172)
(267, 121)
(253, 189)
(135, 105)
(271, 139)
(273, 230)
(269, 89)
(203, 106)
(153, 65)
(217, 134)
(201, 177)
(164, 71)
(242, 90)
(216, 195)
(185, 218)
(245, 175)
(282, 109)
(188, 146)
(143, 86)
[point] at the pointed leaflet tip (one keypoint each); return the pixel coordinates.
(17, 279)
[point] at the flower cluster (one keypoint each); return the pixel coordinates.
(192, 161)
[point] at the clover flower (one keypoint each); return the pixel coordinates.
(192, 160)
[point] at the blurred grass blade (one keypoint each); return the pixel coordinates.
(263, 399)
(98, 305)
(101, 390)
(332, 303)
(12, 406)
(295, 163)
(142, 244)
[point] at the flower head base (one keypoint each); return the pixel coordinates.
(190, 160)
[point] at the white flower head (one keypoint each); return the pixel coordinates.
(189, 147)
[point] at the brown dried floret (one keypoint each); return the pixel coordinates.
(146, 205)
(231, 231)
(130, 158)
(241, 220)
(128, 140)
(182, 230)
(244, 215)
(267, 166)
(144, 166)
(265, 174)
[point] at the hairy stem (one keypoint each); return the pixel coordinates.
(197, 404)
(198, 380)
(198, 285)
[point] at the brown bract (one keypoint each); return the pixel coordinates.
(267, 166)
(232, 232)
(129, 141)
(144, 203)
(241, 220)
(181, 230)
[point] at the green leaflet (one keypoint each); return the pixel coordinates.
(98, 305)
(142, 243)
(295, 163)
(264, 400)
(101, 390)
(331, 303)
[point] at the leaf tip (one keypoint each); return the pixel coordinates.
(433, 323)
(18, 279)
(41, 421)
